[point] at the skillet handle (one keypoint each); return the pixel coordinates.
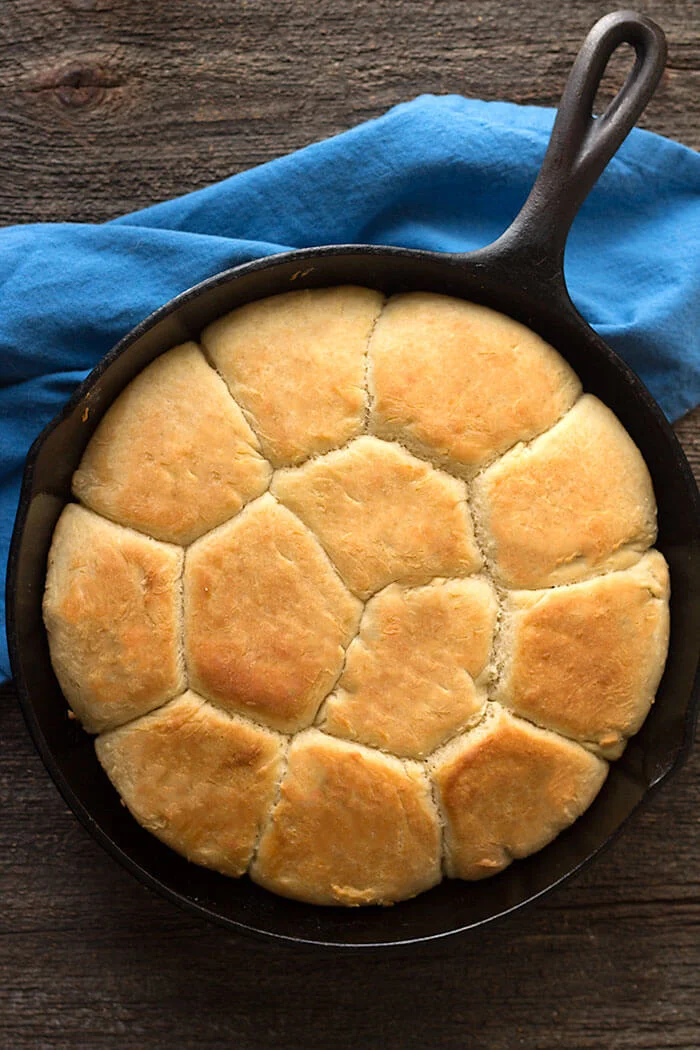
(581, 145)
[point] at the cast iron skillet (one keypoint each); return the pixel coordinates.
(520, 274)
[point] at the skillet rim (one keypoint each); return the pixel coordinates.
(485, 265)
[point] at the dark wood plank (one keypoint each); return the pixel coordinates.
(107, 107)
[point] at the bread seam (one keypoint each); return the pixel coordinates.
(588, 745)
(233, 715)
(368, 398)
(334, 448)
(493, 706)
(498, 659)
(265, 824)
(245, 414)
(316, 540)
(462, 472)
(441, 819)
(320, 713)
(603, 571)
(183, 546)
(471, 723)
(236, 713)
(445, 855)
(524, 443)
(129, 528)
(181, 649)
(317, 455)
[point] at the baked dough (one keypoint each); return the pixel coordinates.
(112, 612)
(408, 682)
(199, 779)
(460, 383)
(575, 502)
(296, 364)
(173, 456)
(586, 659)
(352, 826)
(266, 617)
(415, 614)
(507, 789)
(382, 515)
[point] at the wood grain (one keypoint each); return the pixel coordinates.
(108, 106)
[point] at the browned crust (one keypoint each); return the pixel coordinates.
(173, 456)
(296, 364)
(382, 515)
(201, 781)
(352, 827)
(408, 682)
(507, 789)
(586, 660)
(461, 383)
(266, 617)
(112, 614)
(576, 502)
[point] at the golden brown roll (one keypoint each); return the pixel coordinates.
(506, 789)
(112, 609)
(266, 617)
(576, 501)
(201, 780)
(460, 383)
(408, 682)
(382, 515)
(296, 365)
(352, 826)
(586, 659)
(173, 456)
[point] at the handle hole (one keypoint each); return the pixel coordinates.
(617, 70)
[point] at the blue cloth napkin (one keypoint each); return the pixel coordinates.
(442, 173)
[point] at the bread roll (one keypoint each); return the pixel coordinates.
(296, 365)
(382, 515)
(173, 456)
(352, 827)
(112, 609)
(460, 383)
(199, 779)
(586, 659)
(266, 617)
(506, 789)
(409, 677)
(576, 501)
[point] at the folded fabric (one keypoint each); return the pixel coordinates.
(440, 173)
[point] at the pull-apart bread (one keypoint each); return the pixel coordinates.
(358, 593)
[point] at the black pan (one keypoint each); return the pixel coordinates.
(520, 274)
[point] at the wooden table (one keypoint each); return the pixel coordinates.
(108, 106)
